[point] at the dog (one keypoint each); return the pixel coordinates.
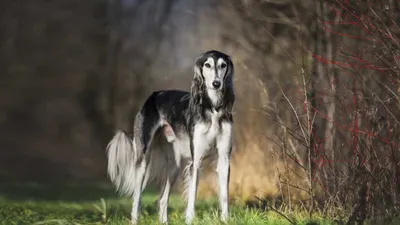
(173, 132)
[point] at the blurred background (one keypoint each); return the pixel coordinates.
(74, 72)
(316, 85)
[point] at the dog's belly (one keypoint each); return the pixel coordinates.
(205, 136)
(182, 147)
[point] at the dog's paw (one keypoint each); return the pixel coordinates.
(189, 217)
(224, 217)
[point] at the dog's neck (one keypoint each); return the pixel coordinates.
(215, 97)
(216, 100)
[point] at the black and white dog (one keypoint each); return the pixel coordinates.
(177, 129)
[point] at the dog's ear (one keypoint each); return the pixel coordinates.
(229, 73)
(229, 94)
(198, 68)
(197, 88)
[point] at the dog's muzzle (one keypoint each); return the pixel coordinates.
(216, 84)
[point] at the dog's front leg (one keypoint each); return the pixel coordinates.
(192, 189)
(224, 146)
(198, 148)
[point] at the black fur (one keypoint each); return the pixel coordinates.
(183, 109)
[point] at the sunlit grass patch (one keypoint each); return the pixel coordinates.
(63, 208)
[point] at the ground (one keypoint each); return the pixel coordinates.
(98, 204)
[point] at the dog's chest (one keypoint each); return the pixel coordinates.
(208, 131)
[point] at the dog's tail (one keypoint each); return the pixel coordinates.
(125, 153)
(122, 159)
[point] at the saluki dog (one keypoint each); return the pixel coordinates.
(173, 132)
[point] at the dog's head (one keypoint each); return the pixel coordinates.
(214, 69)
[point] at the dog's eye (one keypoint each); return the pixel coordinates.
(223, 65)
(207, 65)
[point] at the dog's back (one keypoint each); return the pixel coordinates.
(161, 109)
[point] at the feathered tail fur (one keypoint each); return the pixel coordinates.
(122, 161)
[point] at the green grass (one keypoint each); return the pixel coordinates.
(83, 204)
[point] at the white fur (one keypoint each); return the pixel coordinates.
(182, 149)
(139, 186)
(122, 157)
(224, 145)
(213, 95)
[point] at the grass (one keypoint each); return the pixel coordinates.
(97, 204)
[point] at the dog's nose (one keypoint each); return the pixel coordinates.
(216, 84)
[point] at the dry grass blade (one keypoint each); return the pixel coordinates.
(275, 210)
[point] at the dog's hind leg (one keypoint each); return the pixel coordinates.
(139, 186)
(146, 177)
(147, 122)
(167, 169)
(167, 184)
